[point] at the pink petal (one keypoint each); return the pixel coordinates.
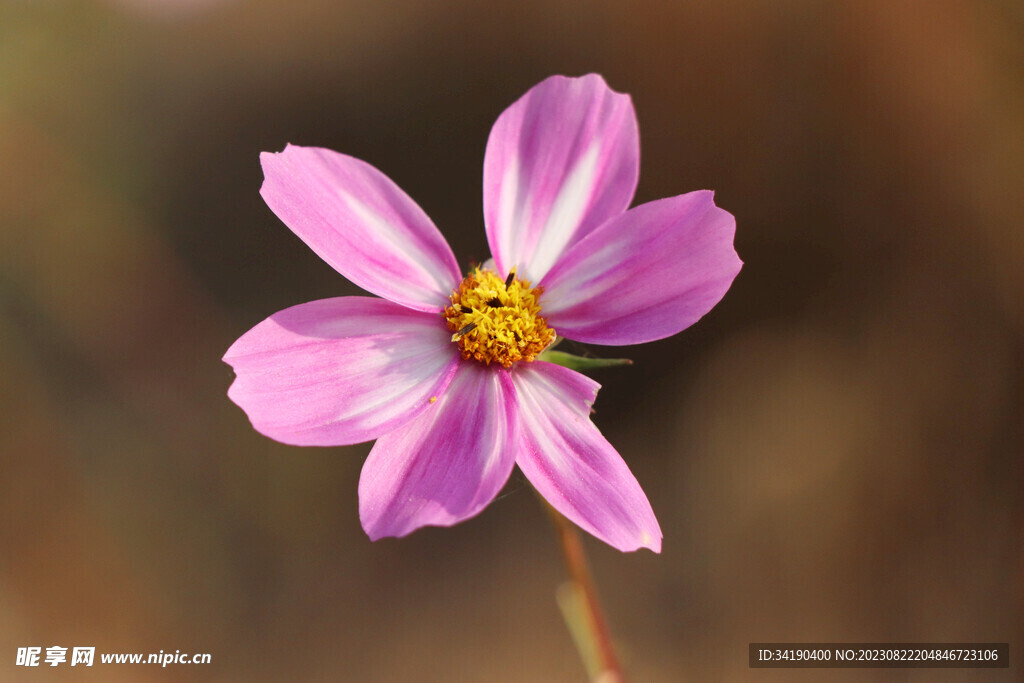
(340, 371)
(357, 220)
(446, 465)
(567, 460)
(646, 275)
(560, 162)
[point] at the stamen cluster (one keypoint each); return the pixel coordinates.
(496, 321)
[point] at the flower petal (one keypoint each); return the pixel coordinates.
(446, 465)
(567, 460)
(646, 275)
(340, 371)
(560, 161)
(357, 220)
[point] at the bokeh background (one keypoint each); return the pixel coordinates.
(834, 453)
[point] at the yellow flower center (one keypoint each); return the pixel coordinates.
(496, 321)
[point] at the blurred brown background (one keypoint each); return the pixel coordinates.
(834, 453)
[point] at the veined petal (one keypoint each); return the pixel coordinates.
(645, 275)
(567, 460)
(357, 220)
(340, 371)
(446, 465)
(560, 161)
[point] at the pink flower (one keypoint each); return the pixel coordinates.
(441, 370)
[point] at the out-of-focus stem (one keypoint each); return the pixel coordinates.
(601, 645)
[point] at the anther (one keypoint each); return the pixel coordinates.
(464, 331)
(511, 276)
(495, 302)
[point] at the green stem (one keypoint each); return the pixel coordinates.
(581, 607)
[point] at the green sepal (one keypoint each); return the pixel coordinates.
(580, 363)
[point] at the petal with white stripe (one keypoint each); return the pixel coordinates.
(340, 371)
(646, 275)
(446, 465)
(362, 224)
(572, 465)
(560, 161)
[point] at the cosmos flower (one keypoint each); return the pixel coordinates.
(443, 369)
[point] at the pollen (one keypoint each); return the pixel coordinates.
(497, 321)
